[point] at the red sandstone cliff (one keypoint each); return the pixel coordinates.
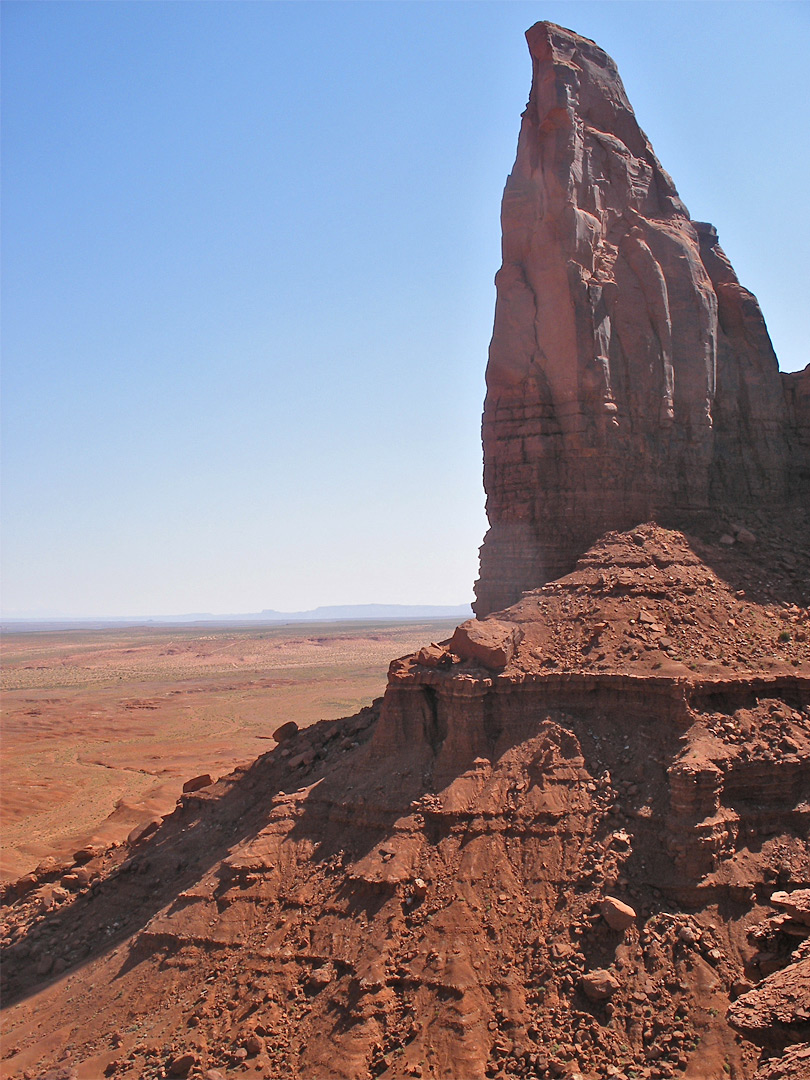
(572, 840)
(631, 376)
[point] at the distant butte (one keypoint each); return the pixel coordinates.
(631, 376)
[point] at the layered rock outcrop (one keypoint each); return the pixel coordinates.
(631, 376)
(571, 840)
(577, 859)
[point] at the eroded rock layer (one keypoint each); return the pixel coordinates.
(568, 857)
(631, 376)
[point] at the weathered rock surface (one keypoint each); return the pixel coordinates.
(794, 1065)
(488, 641)
(617, 914)
(196, 783)
(430, 888)
(631, 376)
(777, 1011)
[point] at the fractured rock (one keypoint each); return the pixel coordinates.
(488, 642)
(599, 985)
(796, 904)
(777, 1009)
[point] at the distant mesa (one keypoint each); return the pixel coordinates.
(338, 613)
(631, 376)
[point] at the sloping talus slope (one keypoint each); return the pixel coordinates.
(539, 871)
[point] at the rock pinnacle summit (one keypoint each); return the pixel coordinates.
(631, 376)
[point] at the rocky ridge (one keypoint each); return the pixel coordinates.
(575, 861)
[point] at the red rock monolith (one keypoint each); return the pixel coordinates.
(630, 376)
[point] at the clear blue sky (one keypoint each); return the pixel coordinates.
(248, 254)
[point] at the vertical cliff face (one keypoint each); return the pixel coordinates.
(630, 375)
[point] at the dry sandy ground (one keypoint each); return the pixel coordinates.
(101, 728)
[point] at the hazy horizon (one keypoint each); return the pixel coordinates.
(260, 615)
(248, 262)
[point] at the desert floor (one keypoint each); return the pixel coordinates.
(101, 728)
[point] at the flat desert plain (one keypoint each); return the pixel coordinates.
(101, 728)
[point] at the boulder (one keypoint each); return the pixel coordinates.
(433, 656)
(286, 731)
(85, 854)
(486, 641)
(197, 783)
(617, 914)
(599, 985)
(182, 1064)
(143, 832)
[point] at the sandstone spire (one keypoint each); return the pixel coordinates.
(630, 375)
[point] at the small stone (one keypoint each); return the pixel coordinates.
(687, 936)
(182, 1065)
(321, 977)
(254, 1045)
(599, 985)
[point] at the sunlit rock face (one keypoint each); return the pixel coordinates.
(630, 375)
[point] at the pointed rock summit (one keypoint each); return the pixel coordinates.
(630, 375)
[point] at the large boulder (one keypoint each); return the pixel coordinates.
(486, 641)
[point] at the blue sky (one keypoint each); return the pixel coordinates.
(248, 252)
